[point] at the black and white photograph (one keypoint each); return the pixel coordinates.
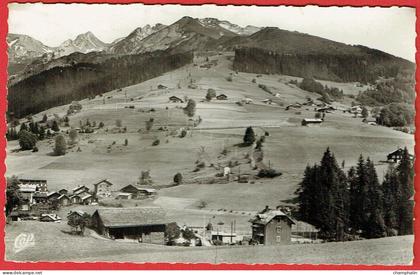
(210, 134)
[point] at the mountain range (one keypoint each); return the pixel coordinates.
(257, 50)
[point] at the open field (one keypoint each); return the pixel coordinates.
(288, 148)
(51, 244)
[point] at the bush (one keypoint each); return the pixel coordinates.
(27, 140)
(318, 115)
(396, 115)
(265, 88)
(178, 178)
(268, 173)
(211, 93)
(229, 78)
(189, 110)
(156, 142)
(183, 133)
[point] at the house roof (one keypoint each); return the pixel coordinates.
(52, 193)
(40, 195)
(27, 188)
(138, 188)
(86, 197)
(313, 120)
(133, 216)
(104, 180)
(267, 216)
(62, 196)
(78, 212)
(79, 187)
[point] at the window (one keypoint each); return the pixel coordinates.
(278, 239)
(278, 229)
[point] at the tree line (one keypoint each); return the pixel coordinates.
(62, 85)
(344, 206)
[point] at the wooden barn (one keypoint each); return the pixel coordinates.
(102, 189)
(272, 227)
(138, 192)
(64, 200)
(146, 225)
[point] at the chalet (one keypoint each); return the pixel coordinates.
(63, 191)
(87, 199)
(102, 188)
(53, 196)
(41, 185)
(64, 200)
(146, 225)
(271, 227)
(27, 191)
(222, 97)
(40, 197)
(175, 99)
(397, 155)
(75, 199)
(50, 218)
(138, 192)
(77, 213)
(307, 121)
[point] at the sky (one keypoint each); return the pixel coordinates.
(388, 29)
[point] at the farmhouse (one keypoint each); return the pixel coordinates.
(75, 199)
(123, 196)
(307, 121)
(271, 227)
(87, 199)
(77, 213)
(39, 197)
(139, 192)
(27, 191)
(175, 99)
(53, 196)
(63, 191)
(224, 237)
(102, 188)
(397, 155)
(222, 97)
(143, 224)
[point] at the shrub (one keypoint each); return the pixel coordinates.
(396, 115)
(156, 142)
(183, 133)
(189, 110)
(178, 178)
(229, 78)
(211, 93)
(318, 115)
(73, 135)
(27, 140)
(268, 173)
(254, 80)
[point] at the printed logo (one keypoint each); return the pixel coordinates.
(23, 241)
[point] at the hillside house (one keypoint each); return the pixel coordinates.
(146, 225)
(308, 121)
(397, 155)
(64, 200)
(102, 189)
(272, 227)
(139, 192)
(75, 199)
(224, 237)
(175, 99)
(41, 185)
(222, 97)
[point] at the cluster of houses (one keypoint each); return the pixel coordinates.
(39, 202)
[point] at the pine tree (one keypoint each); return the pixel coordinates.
(374, 225)
(41, 133)
(405, 178)
(23, 127)
(60, 145)
(391, 195)
(249, 137)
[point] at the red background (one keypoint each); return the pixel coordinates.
(5, 265)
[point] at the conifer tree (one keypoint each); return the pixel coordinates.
(405, 179)
(55, 127)
(249, 137)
